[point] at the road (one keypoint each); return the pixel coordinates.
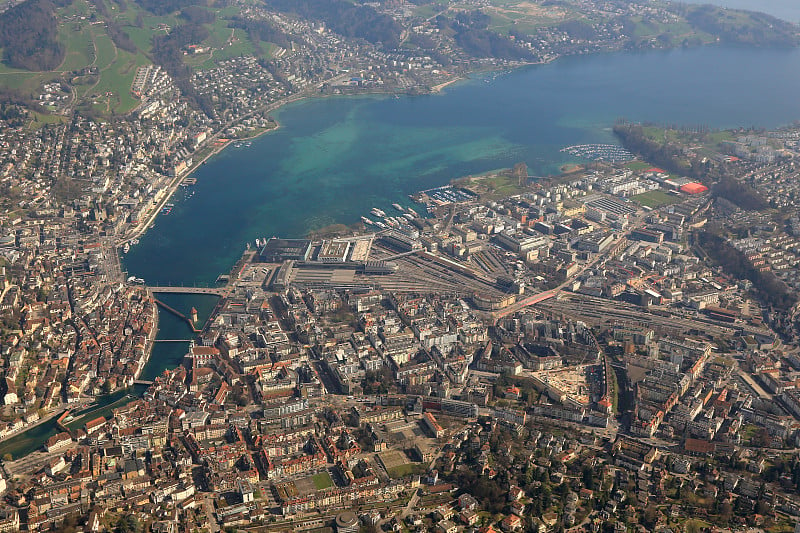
(35, 461)
(753, 385)
(208, 506)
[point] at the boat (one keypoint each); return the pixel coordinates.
(399, 207)
(408, 216)
(381, 225)
(126, 248)
(413, 213)
(365, 220)
(377, 212)
(134, 241)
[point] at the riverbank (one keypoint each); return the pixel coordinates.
(151, 338)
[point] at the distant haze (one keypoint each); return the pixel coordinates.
(783, 9)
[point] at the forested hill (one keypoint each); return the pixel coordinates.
(29, 35)
(345, 18)
(754, 29)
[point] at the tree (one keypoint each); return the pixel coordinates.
(588, 477)
(129, 524)
(650, 517)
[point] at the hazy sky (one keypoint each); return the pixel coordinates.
(785, 9)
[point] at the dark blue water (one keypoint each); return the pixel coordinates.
(333, 159)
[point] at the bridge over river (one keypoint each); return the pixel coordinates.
(216, 291)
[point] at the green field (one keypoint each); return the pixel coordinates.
(113, 91)
(322, 481)
(654, 199)
(637, 166)
(40, 119)
(106, 51)
(80, 50)
(526, 17)
(405, 470)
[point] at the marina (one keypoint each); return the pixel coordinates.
(444, 196)
(599, 152)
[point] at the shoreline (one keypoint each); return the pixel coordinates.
(438, 88)
(172, 188)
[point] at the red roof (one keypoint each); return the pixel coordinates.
(694, 188)
(657, 170)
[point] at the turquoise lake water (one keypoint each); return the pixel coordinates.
(334, 158)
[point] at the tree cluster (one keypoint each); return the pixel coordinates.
(120, 38)
(168, 52)
(346, 18)
(741, 194)
(260, 31)
(665, 155)
(755, 29)
(198, 15)
(470, 33)
(769, 287)
(578, 29)
(165, 7)
(29, 36)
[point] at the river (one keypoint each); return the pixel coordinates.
(164, 356)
